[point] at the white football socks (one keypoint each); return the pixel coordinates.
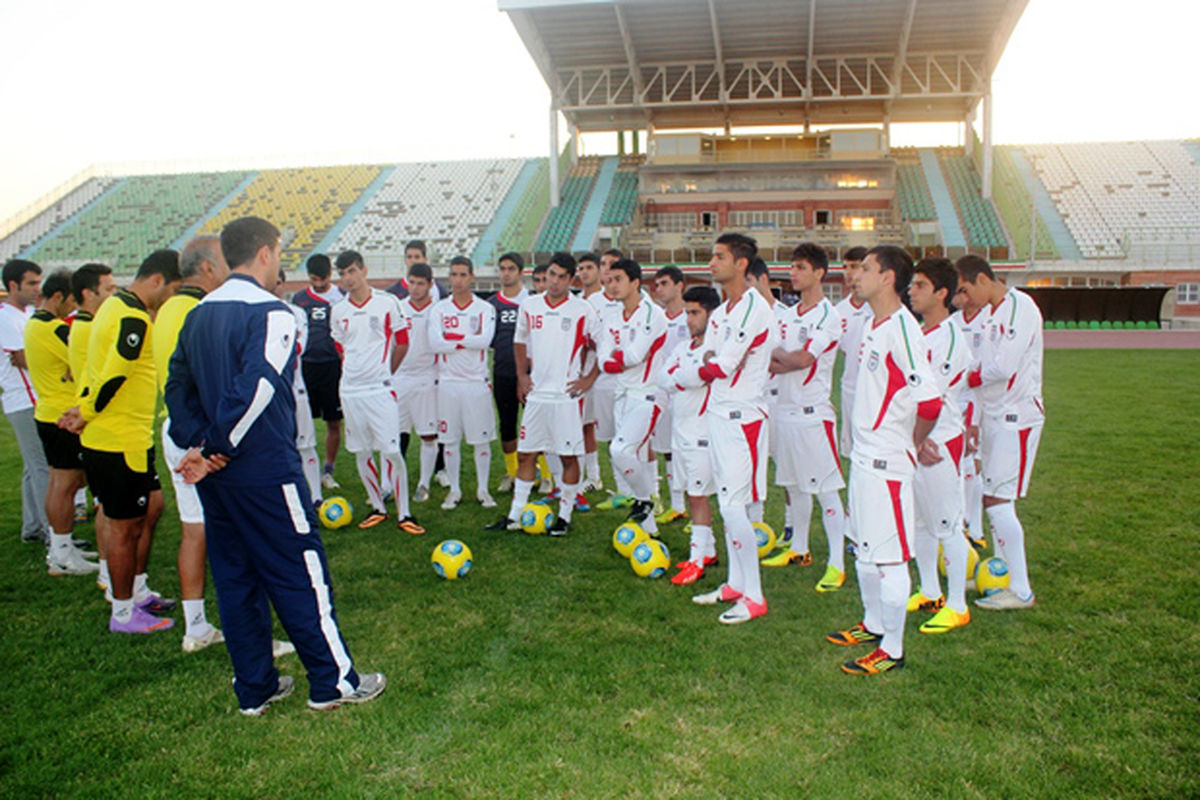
(925, 548)
(743, 552)
(60, 543)
(676, 484)
(702, 544)
(453, 456)
(894, 587)
(1010, 542)
(195, 619)
(973, 486)
(312, 472)
(368, 473)
(122, 610)
(141, 587)
(483, 466)
(591, 467)
(566, 500)
(956, 549)
(800, 508)
(833, 516)
(755, 511)
(428, 460)
(521, 490)
(398, 469)
(869, 578)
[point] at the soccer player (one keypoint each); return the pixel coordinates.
(592, 289)
(805, 424)
(461, 331)
(896, 403)
(504, 367)
(854, 314)
(1007, 376)
(49, 366)
(417, 376)
(758, 275)
(971, 321)
(553, 331)
(321, 365)
(668, 292)
(737, 353)
(115, 420)
(603, 396)
(630, 347)
(689, 433)
(414, 253)
(23, 282)
(231, 404)
(938, 484)
(368, 325)
(203, 269)
(91, 285)
(539, 278)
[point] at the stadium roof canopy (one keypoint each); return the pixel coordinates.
(629, 64)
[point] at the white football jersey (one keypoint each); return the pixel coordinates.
(688, 402)
(740, 337)
(1010, 361)
(950, 359)
(894, 377)
(461, 337)
(420, 363)
(781, 312)
(555, 339)
(601, 303)
(677, 332)
(640, 337)
(972, 330)
(816, 330)
(855, 318)
(366, 335)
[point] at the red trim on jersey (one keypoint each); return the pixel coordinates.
(704, 405)
(955, 448)
(461, 308)
(898, 513)
(1023, 436)
(877, 322)
(560, 302)
(896, 382)
(650, 430)
(580, 338)
(758, 340)
(812, 371)
(316, 296)
(1038, 403)
(387, 335)
(505, 300)
(677, 316)
(957, 378)
(654, 348)
(968, 320)
(929, 409)
(975, 378)
(928, 331)
(415, 307)
(970, 413)
(855, 305)
(626, 316)
(1011, 381)
(402, 336)
(364, 302)
(751, 430)
(25, 380)
(832, 437)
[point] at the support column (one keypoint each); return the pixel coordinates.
(573, 143)
(987, 141)
(554, 154)
(620, 143)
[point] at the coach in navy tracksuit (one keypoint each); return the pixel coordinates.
(229, 393)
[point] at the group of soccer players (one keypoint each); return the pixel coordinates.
(940, 419)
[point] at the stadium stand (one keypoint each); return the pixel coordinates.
(521, 227)
(143, 213)
(304, 203)
(59, 212)
(979, 219)
(943, 202)
(448, 204)
(622, 198)
(487, 248)
(912, 191)
(559, 228)
(589, 218)
(1014, 202)
(1107, 191)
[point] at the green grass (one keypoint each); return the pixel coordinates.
(553, 671)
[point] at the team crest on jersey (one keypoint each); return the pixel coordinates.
(993, 333)
(477, 325)
(373, 324)
(914, 380)
(873, 361)
(566, 324)
(976, 340)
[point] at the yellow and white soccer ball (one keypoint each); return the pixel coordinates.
(336, 512)
(650, 559)
(537, 518)
(765, 538)
(972, 561)
(451, 559)
(992, 576)
(628, 536)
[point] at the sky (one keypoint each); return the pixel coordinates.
(172, 86)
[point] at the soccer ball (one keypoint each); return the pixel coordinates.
(628, 536)
(451, 559)
(972, 561)
(765, 538)
(992, 576)
(336, 512)
(650, 558)
(537, 518)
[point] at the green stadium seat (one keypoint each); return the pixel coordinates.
(1072, 324)
(1060, 324)
(1105, 325)
(1048, 324)
(1152, 325)
(1094, 325)
(1140, 325)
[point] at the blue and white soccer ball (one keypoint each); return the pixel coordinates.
(650, 559)
(764, 538)
(336, 512)
(628, 536)
(537, 518)
(451, 559)
(992, 576)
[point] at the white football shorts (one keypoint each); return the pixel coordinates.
(372, 422)
(465, 411)
(187, 499)
(938, 497)
(1008, 453)
(551, 426)
(806, 457)
(881, 515)
(418, 403)
(738, 450)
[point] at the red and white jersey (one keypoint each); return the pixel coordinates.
(1009, 361)
(677, 332)
(894, 380)
(366, 335)
(639, 338)
(16, 388)
(781, 312)
(688, 422)
(420, 363)
(601, 303)
(950, 358)
(972, 330)
(555, 339)
(855, 318)
(461, 336)
(740, 337)
(816, 330)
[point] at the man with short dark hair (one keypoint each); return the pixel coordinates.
(23, 282)
(115, 419)
(417, 377)
(320, 363)
(854, 314)
(414, 253)
(46, 336)
(539, 278)
(504, 366)
(230, 398)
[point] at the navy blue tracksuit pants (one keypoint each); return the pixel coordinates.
(264, 546)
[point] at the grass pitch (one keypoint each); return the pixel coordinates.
(552, 670)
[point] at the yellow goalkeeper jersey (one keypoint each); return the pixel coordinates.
(167, 325)
(49, 366)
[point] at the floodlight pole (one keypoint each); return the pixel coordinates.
(554, 199)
